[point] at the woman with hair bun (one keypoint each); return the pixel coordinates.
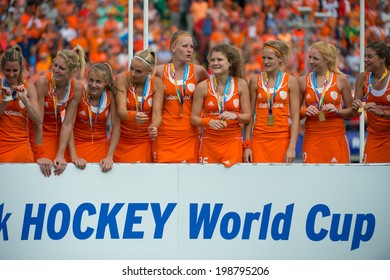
(19, 103)
(139, 102)
(221, 104)
(327, 101)
(272, 134)
(90, 141)
(59, 93)
(178, 141)
(372, 94)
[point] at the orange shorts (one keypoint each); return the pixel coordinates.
(267, 150)
(170, 149)
(377, 149)
(323, 149)
(218, 150)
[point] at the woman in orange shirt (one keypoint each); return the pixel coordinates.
(224, 101)
(372, 94)
(178, 140)
(90, 142)
(139, 101)
(327, 99)
(59, 92)
(19, 102)
(272, 134)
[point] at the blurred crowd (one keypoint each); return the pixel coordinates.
(101, 28)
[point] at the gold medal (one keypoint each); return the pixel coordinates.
(270, 120)
(321, 116)
(361, 109)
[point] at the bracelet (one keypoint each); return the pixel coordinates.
(205, 121)
(247, 144)
(131, 116)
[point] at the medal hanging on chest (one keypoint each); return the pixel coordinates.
(271, 96)
(180, 94)
(370, 87)
(320, 98)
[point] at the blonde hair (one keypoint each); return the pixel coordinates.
(105, 71)
(148, 57)
(329, 52)
(233, 55)
(14, 54)
(75, 59)
(281, 49)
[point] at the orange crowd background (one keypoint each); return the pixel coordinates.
(101, 28)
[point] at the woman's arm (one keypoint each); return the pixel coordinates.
(67, 128)
(248, 127)
(294, 114)
(158, 101)
(107, 163)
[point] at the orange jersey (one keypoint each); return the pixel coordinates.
(224, 145)
(377, 148)
(90, 128)
(270, 142)
(14, 136)
(177, 139)
(52, 117)
(333, 124)
(135, 144)
(324, 141)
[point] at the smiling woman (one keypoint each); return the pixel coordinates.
(18, 103)
(58, 92)
(89, 141)
(224, 101)
(327, 101)
(372, 94)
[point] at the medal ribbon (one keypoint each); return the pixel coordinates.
(322, 97)
(92, 124)
(144, 93)
(221, 101)
(270, 100)
(180, 96)
(13, 91)
(370, 86)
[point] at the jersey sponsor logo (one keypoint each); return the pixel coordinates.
(13, 113)
(236, 103)
(174, 97)
(82, 113)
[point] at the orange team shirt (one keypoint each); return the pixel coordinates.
(177, 140)
(135, 144)
(377, 148)
(52, 121)
(172, 124)
(14, 138)
(333, 124)
(224, 145)
(280, 110)
(91, 139)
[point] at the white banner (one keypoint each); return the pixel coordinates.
(168, 211)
